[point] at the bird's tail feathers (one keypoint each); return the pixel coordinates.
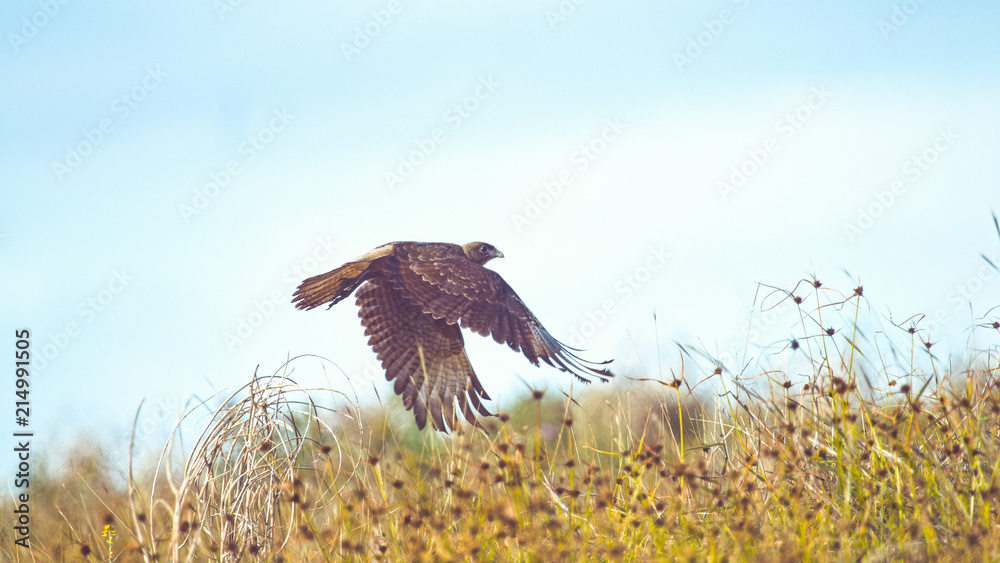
(331, 287)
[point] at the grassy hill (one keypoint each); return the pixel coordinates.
(843, 452)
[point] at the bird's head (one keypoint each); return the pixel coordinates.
(481, 252)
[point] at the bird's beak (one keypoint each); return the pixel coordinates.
(499, 254)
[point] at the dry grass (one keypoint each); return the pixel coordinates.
(849, 447)
(226, 497)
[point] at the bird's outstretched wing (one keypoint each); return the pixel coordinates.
(442, 282)
(424, 357)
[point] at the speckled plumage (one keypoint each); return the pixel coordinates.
(413, 297)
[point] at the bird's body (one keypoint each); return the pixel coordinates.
(414, 298)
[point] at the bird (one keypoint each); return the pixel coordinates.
(414, 298)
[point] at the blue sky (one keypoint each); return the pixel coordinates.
(173, 170)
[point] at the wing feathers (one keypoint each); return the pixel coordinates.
(442, 282)
(423, 356)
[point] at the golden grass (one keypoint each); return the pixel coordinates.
(840, 455)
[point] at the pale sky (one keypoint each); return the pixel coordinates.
(174, 169)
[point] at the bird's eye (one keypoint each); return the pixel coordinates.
(482, 248)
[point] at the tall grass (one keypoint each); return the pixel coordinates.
(844, 441)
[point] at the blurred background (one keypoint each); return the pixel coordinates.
(174, 170)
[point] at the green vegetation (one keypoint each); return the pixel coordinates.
(854, 449)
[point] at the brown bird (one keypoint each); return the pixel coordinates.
(413, 297)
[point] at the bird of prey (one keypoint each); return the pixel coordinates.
(414, 297)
